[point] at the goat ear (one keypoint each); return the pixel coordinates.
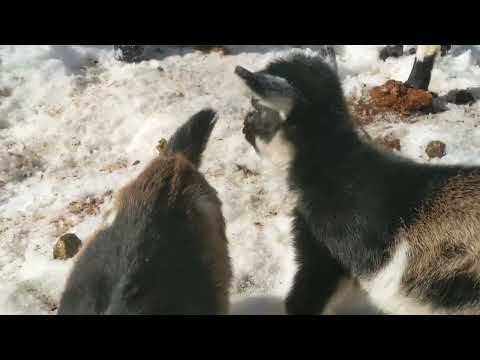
(192, 137)
(273, 91)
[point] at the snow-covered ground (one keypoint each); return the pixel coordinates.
(73, 121)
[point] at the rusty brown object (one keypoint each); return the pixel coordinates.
(395, 96)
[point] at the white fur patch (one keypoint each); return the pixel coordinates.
(278, 151)
(424, 51)
(385, 291)
(283, 105)
(348, 298)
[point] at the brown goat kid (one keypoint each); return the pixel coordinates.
(165, 252)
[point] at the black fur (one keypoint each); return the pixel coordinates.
(353, 199)
(316, 266)
(151, 260)
(421, 73)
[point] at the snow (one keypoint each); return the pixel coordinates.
(73, 121)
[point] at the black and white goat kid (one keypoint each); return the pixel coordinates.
(407, 233)
(165, 251)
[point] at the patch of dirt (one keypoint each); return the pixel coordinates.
(222, 50)
(77, 211)
(120, 164)
(389, 142)
(89, 205)
(62, 225)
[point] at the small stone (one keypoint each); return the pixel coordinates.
(460, 97)
(136, 162)
(391, 51)
(436, 149)
(162, 146)
(5, 92)
(66, 247)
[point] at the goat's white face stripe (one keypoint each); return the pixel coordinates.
(278, 151)
(281, 104)
(424, 51)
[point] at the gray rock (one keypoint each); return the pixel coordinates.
(436, 149)
(66, 247)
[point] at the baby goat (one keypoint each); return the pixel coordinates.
(409, 233)
(166, 250)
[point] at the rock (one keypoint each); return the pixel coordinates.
(67, 247)
(129, 53)
(460, 97)
(412, 51)
(162, 146)
(436, 149)
(5, 92)
(391, 51)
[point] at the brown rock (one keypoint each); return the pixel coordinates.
(436, 149)
(162, 146)
(66, 247)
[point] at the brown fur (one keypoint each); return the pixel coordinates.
(187, 189)
(171, 179)
(445, 241)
